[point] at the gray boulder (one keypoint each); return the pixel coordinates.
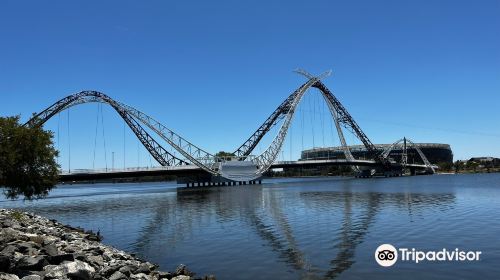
(50, 250)
(182, 277)
(32, 277)
(127, 269)
(183, 270)
(75, 270)
(58, 259)
(8, 250)
(141, 276)
(109, 270)
(118, 276)
(6, 276)
(143, 268)
(95, 261)
(4, 263)
(31, 263)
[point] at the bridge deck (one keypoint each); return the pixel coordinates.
(196, 172)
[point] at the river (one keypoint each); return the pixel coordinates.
(293, 228)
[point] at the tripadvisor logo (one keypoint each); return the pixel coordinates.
(387, 255)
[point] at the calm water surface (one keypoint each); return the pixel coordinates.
(320, 228)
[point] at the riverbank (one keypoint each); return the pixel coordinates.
(33, 247)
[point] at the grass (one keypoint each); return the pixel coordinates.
(18, 216)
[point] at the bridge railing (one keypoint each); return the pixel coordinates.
(117, 170)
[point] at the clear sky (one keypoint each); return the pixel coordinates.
(214, 70)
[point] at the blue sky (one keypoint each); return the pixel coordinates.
(214, 70)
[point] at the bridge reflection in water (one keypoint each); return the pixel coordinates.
(319, 225)
(304, 228)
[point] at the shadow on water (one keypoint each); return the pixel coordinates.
(263, 209)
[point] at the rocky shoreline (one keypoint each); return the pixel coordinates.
(35, 248)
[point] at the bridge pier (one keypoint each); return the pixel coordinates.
(214, 181)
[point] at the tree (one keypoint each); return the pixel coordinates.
(225, 155)
(445, 166)
(472, 165)
(27, 160)
(458, 166)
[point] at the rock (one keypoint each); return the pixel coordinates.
(95, 261)
(182, 270)
(141, 276)
(8, 250)
(117, 276)
(32, 277)
(60, 258)
(6, 276)
(8, 224)
(27, 245)
(80, 270)
(27, 248)
(75, 270)
(4, 263)
(36, 248)
(96, 251)
(31, 263)
(109, 270)
(67, 237)
(50, 250)
(93, 237)
(80, 257)
(8, 235)
(182, 277)
(127, 269)
(143, 268)
(164, 275)
(53, 272)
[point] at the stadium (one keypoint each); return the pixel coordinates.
(436, 153)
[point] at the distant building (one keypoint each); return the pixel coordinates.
(435, 153)
(486, 161)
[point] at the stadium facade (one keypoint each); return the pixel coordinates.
(435, 153)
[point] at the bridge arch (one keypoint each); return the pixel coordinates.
(162, 156)
(404, 144)
(255, 166)
(286, 110)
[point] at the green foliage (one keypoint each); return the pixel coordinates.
(458, 166)
(225, 155)
(472, 165)
(27, 160)
(17, 215)
(445, 166)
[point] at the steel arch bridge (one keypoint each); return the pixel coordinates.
(243, 167)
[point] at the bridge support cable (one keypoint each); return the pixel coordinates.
(154, 148)
(248, 167)
(103, 137)
(287, 109)
(194, 154)
(69, 147)
(266, 159)
(249, 145)
(58, 137)
(95, 136)
(124, 150)
(160, 154)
